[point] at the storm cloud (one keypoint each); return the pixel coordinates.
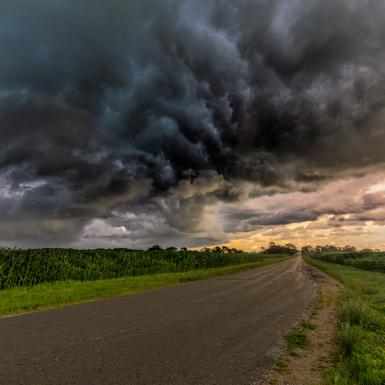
(113, 111)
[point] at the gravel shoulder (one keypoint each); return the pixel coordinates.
(308, 364)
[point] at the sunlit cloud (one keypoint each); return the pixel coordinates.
(343, 212)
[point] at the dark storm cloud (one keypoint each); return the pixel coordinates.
(114, 104)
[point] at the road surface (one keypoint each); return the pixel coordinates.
(220, 331)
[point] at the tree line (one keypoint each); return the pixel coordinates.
(275, 248)
(334, 249)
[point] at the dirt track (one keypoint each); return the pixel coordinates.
(221, 331)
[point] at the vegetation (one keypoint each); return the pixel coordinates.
(221, 249)
(280, 366)
(296, 339)
(308, 325)
(274, 248)
(32, 267)
(367, 260)
(361, 337)
(329, 249)
(46, 295)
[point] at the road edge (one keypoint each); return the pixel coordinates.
(305, 360)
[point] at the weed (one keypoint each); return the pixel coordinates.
(308, 325)
(281, 365)
(296, 339)
(320, 300)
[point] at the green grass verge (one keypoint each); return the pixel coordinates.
(44, 296)
(361, 336)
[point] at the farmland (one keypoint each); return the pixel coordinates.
(37, 279)
(366, 260)
(31, 267)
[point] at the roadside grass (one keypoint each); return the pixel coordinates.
(49, 295)
(296, 339)
(308, 325)
(361, 335)
(281, 365)
(320, 300)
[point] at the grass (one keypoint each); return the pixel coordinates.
(296, 339)
(308, 325)
(281, 365)
(47, 295)
(361, 335)
(273, 381)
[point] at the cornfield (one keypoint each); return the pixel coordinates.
(34, 266)
(372, 261)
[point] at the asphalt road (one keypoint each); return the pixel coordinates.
(221, 331)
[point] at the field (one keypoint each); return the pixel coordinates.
(31, 267)
(36, 279)
(361, 336)
(372, 261)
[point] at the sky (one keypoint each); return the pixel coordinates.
(192, 123)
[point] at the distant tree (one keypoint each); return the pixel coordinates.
(291, 246)
(274, 248)
(155, 248)
(334, 249)
(318, 249)
(206, 250)
(217, 249)
(172, 248)
(183, 249)
(307, 249)
(349, 249)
